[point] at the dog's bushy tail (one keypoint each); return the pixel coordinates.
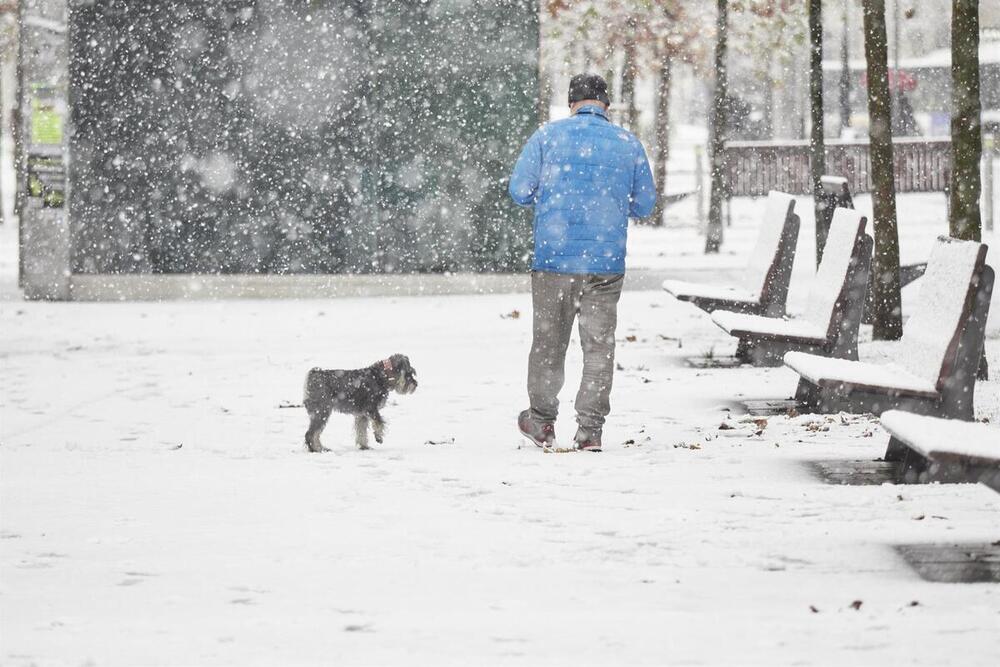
(314, 382)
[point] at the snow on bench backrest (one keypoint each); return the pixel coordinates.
(777, 209)
(930, 335)
(836, 185)
(831, 277)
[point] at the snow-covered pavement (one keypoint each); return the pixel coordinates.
(157, 505)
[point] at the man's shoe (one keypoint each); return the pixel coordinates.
(543, 434)
(588, 441)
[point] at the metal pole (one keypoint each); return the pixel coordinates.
(43, 169)
(895, 34)
(699, 178)
(989, 155)
(896, 94)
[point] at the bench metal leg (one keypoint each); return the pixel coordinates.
(808, 395)
(913, 468)
(895, 451)
(765, 353)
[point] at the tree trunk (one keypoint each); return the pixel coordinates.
(17, 129)
(544, 94)
(966, 132)
(887, 315)
(713, 235)
(845, 75)
(628, 78)
(767, 120)
(817, 147)
(662, 135)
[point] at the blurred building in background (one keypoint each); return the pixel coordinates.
(290, 136)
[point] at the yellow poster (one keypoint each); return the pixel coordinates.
(46, 124)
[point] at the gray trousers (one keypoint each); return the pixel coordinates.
(557, 299)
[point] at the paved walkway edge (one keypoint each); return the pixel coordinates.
(167, 287)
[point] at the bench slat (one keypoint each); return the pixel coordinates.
(830, 372)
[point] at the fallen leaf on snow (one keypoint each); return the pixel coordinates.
(685, 445)
(357, 628)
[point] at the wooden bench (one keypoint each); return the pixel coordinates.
(931, 449)
(837, 193)
(765, 288)
(924, 449)
(830, 324)
(934, 366)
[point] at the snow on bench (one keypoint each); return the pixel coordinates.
(765, 285)
(935, 449)
(934, 365)
(830, 323)
(859, 374)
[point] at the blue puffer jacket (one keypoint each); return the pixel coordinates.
(585, 178)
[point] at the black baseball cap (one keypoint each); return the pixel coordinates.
(588, 87)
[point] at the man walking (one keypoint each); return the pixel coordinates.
(585, 177)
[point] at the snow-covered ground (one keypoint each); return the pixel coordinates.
(157, 506)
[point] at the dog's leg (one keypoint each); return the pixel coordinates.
(378, 426)
(361, 431)
(317, 422)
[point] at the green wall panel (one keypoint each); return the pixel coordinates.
(300, 137)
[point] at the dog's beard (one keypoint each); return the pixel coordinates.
(403, 386)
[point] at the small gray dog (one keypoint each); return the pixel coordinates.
(362, 393)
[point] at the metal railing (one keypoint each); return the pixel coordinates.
(752, 168)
